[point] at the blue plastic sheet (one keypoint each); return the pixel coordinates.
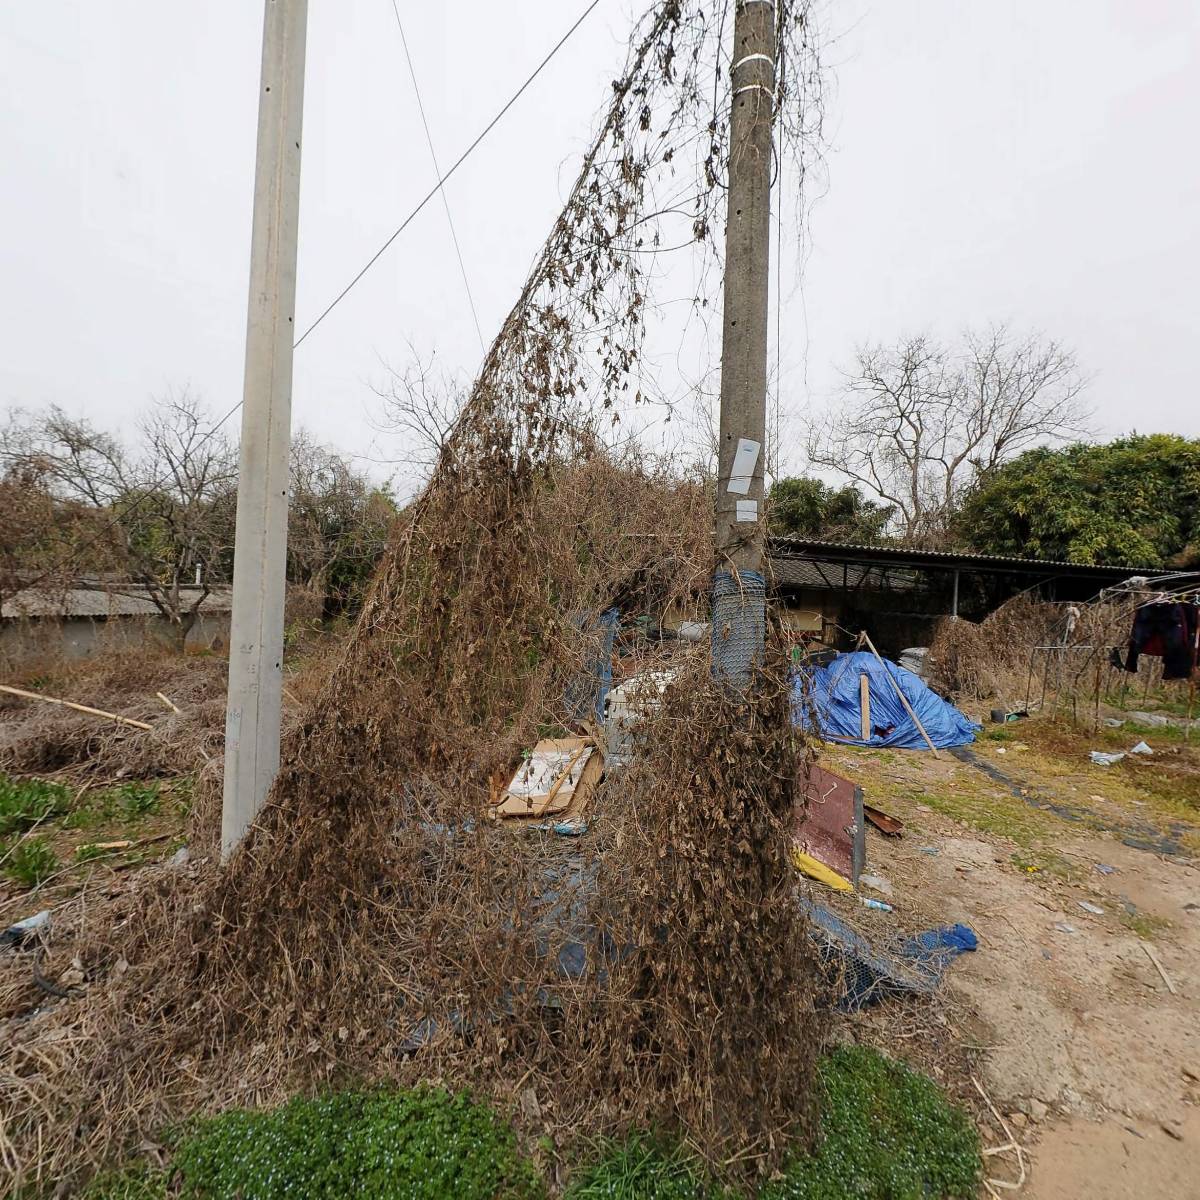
(585, 695)
(827, 700)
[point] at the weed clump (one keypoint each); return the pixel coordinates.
(30, 862)
(28, 802)
(373, 924)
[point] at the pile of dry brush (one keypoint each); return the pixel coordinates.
(372, 925)
(41, 739)
(1008, 654)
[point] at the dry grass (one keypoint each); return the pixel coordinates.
(45, 739)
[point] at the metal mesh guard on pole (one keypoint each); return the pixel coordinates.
(739, 624)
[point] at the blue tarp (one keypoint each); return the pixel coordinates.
(828, 697)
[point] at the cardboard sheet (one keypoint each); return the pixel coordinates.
(558, 777)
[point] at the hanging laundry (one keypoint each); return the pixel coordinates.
(1167, 631)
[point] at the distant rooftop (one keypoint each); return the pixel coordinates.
(785, 551)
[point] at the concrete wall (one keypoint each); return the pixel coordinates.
(75, 638)
(812, 612)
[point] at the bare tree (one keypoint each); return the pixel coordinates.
(420, 406)
(919, 423)
(161, 506)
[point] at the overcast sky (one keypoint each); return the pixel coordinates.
(1022, 160)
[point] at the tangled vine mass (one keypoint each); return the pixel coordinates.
(373, 925)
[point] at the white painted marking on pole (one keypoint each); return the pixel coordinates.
(755, 87)
(751, 58)
(747, 510)
(745, 459)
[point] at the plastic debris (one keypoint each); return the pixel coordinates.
(1089, 907)
(1065, 927)
(815, 869)
(1105, 869)
(876, 883)
(877, 905)
(932, 851)
(1141, 748)
(1002, 716)
(829, 701)
(16, 935)
(1113, 723)
(1151, 720)
(571, 827)
(1104, 759)
(864, 973)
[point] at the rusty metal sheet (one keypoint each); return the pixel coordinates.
(829, 822)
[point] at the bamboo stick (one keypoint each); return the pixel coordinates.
(83, 708)
(908, 708)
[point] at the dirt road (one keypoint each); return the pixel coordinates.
(1089, 1055)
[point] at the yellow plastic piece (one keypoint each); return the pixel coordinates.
(817, 870)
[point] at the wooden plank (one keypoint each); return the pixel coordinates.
(864, 707)
(1159, 967)
(566, 774)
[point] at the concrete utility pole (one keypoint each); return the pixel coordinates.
(260, 546)
(747, 264)
(740, 532)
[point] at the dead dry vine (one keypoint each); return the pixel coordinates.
(373, 925)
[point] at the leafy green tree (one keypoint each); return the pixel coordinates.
(1135, 500)
(805, 507)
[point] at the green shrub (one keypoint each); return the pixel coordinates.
(89, 853)
(126, 802)
(83, 816)
(25, 802)
(132, 800)
(640, 1169)
(418, 1144)
(31, 862)
(887, 1133)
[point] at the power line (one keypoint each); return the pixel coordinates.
(156, 484)
(462, 266)
(458, 163)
